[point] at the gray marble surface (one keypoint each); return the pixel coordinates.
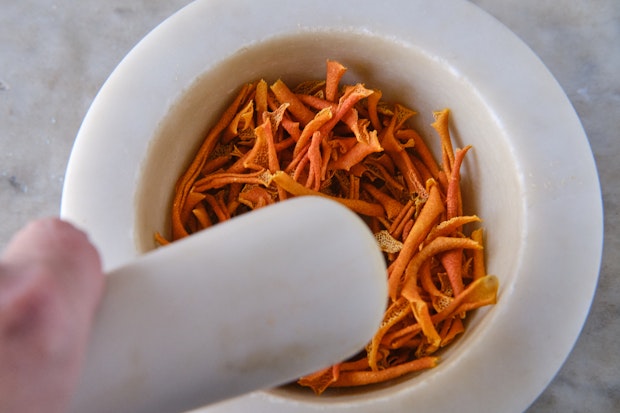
(55, 55)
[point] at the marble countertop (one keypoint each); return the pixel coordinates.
(56, 54)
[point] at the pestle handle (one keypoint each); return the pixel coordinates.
(249, 304)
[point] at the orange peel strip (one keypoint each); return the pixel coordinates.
(392, 207)
(295, 188)
(405, 213)
(453, 260)
(187, 179)
(358, 152)
(315, 161)
(421, 149)
(453, 197)
(351, 96)
(454, 328)
(451, 226)
(401, 158)
(335, 71)
(296, 107)
(306, 134)
(441, 126)
(479, 293)
(395, 313)
(373, 100)
(261, 99)
(322, 379)
(263, 154)
(201, 214)
(435, 247)
(422, 226)
(221, 179)
(242, 120)
(478, 256)
(420, 310)
(361, 378)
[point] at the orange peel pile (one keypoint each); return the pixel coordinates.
(345, 143)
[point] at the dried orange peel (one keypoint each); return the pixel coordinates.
(347, 144)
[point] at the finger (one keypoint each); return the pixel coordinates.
(62, 249)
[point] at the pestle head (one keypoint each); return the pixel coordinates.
(248, 304)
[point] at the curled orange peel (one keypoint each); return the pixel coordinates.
(345, 143)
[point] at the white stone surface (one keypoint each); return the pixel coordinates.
(55, 55)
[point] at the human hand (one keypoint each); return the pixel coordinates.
(50, 285)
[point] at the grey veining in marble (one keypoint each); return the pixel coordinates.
(55, 55)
